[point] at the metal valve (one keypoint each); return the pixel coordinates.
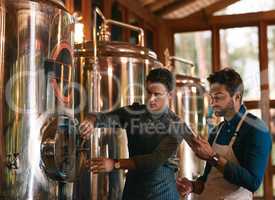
(13, 161)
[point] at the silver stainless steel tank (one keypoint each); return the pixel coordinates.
(119, 69)
(38, 120)
(190, 103)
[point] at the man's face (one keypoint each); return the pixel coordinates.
(221, 101)
(157, 97)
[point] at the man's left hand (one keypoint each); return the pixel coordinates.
(202, 148)
(100, 165)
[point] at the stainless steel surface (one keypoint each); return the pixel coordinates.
(2, 41)
(118, 71)
(190, 104)
(35, 32)
(186, 67)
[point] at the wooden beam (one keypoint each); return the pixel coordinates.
(200, 21)
(137, 9)
(216, 53)
(265, 108)
(147, 2)
(252, 104)
(160, 4)
(165, 41)
(86, 11)
(175, 6)
(272, 104)
(69, 4)
(107, 8)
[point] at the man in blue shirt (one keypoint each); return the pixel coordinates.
(237, 150)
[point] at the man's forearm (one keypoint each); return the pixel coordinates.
(91, 117)
(127, 164)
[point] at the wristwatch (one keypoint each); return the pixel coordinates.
(117, 164)
(214, 160)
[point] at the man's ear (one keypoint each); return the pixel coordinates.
(238, 96)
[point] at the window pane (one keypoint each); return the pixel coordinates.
(271, 63)
(246, 6)
(260, 191)
(196, 47)
(272, 130)
(256, 112)
(239, 49)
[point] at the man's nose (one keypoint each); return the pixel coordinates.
(152, 97)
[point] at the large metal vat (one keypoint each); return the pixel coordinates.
(118, 70)
(38, 120)
(191, 104)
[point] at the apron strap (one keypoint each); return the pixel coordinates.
(218, 131)
(237, 129)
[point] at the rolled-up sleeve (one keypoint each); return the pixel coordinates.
(249, 174)
(166, 148)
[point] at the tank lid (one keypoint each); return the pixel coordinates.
(119, 49)
(180, 79)
(59, 3)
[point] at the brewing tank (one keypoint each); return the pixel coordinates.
(38, 119)
(118, 71)
(191, 104)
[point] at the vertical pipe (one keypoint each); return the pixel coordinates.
(2, 41)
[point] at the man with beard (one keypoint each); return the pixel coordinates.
(237, 150)
(153, 137)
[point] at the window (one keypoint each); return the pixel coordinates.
(246, 6)
(242, 54)
(271, 63)
(196, 47)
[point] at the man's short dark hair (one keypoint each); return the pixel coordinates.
(162, 75)
(228, 77)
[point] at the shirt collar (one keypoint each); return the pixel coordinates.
(237, 117)
(160, 114)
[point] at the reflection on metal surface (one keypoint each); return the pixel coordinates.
(2, 41)
(113, 75)
(190, 103)
(35, 32)
(61, 147)
(187, 67)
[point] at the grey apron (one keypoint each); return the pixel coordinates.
(216, 187)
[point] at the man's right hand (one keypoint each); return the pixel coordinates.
(86, 128)
(184, 186)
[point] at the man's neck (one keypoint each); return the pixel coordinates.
(230, 114)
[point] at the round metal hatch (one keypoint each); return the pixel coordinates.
(62, 153)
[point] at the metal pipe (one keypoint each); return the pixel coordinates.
(182, 60)
(135, 28)
(2, 41)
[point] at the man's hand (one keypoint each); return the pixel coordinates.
(86, 128)
(100, 165)
(184, 186)
(202, 148)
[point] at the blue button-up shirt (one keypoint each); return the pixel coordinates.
(252, 149)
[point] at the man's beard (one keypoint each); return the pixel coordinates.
(228, 108)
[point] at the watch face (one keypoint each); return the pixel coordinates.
(215, 158)
(117, 165)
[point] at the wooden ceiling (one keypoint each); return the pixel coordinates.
(171, 9)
